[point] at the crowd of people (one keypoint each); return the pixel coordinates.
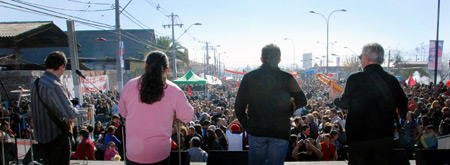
(317, 130)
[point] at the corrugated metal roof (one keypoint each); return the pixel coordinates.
(11, 29)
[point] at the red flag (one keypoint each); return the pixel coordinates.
(189, 91)
(411, 81)
(294, 73)
(237, 84)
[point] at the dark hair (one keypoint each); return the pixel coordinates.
(110, 129)
(271, 55)
(292, 139)
(84, 133)
(304, 127)
(55, 59)
(90, 128)
(153, 81)
(327, 128)
(219, 133)
(326, 118)
(297, 119)
(333, 134)
(206, 122)
(212, 137)
(195, 141)
(198, 128)
(111, 142)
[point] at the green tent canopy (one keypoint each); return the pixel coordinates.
(190, 78)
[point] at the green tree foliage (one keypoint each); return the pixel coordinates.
(164, 43)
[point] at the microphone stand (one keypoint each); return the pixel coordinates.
(178, 140)
(122, 126)
(15, 111)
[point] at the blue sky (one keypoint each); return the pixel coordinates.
(242, 28)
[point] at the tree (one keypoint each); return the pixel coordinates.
(350, 64)
(164, 43)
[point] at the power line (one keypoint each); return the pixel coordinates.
(125, 6)
(158, 8)
(22, 10)
(134, 18)
(90, 2)
(57, 16)
(84, 10)
(86, 20)
(139, 23)
(128, 35)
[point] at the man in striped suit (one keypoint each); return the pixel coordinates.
(52, 97)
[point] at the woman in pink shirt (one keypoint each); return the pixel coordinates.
(149, 104)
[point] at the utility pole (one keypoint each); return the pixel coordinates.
(218, 67)
(119, 51)
(74, 59)
(206, 59)
(436, 46)
(215, 63)
(174, 53)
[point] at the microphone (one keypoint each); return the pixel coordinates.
(80, 74)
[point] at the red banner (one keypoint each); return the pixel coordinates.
(231, 71)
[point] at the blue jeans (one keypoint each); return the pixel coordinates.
(266, 150)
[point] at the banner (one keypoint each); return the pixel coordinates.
(68, 83)
(101, 82)
(121, 53)
(231, 71)
(432, 55)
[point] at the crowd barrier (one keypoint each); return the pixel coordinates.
(85, 117)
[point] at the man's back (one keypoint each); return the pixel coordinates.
(267, 92)
(371, 115)
(197, 154)
(51, 92)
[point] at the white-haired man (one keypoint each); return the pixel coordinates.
(372, 97)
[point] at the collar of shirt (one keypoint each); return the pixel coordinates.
(267, 66)
(372, 67)
(51, 75)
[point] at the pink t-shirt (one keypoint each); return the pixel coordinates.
(149, 126)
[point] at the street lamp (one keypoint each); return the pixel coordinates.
(187, 30)
(327, 20)
(174, 46)
(294, 51)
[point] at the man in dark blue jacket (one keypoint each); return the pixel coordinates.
(372, 97)
(267, 93)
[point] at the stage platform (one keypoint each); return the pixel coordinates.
(80, 162)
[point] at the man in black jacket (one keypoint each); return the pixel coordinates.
(372, 97)
(267, 92)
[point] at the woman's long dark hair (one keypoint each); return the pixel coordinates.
(153, 81)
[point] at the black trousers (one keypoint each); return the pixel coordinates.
(58, 150)
(162, 162)
(377, 151)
